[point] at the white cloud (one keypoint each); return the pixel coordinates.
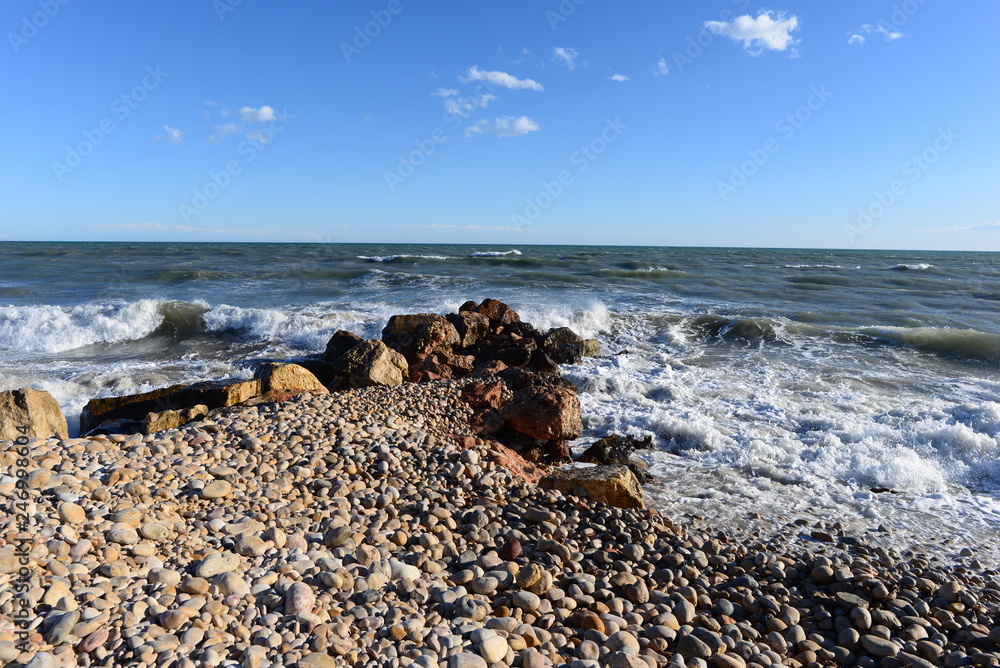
(504, 126)
(566, 57)
(500, 79)
(967, 228)
(262, 115)
(464, 106)
(618, 77)
(174, 137)
(445, 92)
(768, 32)
(223, 131)
(661, 69)
(858, 36)
(890, 35)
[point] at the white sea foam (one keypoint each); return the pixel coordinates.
(53, 329)
(513, 251)
(915, 267)
(393, 258)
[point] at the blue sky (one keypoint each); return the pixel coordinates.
(855, 124)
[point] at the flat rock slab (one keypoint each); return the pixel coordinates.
(615, 485)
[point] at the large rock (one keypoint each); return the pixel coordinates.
(32, 413)
(498, 312)
(216, 393)
(471, 327)
(276, 377)
(544, 412)
(373, 363)
(565, 346)
(615, 485)
(135, 407)
(417, 336)
(339, 344)
(128, 407)
(173, 419)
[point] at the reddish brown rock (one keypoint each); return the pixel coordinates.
(419, 335)
(515, 463)
(485, 393)
(511, 549)
(498, 312)
(488, 368)
(544, 413)
(471, 326)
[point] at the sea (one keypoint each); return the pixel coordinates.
(860, 389)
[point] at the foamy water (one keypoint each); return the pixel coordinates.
(855, 387)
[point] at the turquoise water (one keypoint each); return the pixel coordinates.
(794, 382)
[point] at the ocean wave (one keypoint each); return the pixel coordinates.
(911, 267)
(749, 330)
(397, 258)
(816, 266)
(55, 329)
(968, 344)
(643, 272)
(513, 251)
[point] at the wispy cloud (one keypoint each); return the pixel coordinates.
(445, 92)
(174, 137)
(565, 56)
(500, 79)
(464, 106)
(769, 31)
(159, 227)
(504, 126)
(618, 77)
(660, 68)
(858, 36)
(248, 125)
(967, 228)
(223, 131)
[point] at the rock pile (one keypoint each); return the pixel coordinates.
(521, 400)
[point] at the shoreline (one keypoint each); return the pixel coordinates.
(346, 529)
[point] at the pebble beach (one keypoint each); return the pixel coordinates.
(367, 528)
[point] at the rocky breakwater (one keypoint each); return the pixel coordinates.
(519, 398)
(353, 529)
